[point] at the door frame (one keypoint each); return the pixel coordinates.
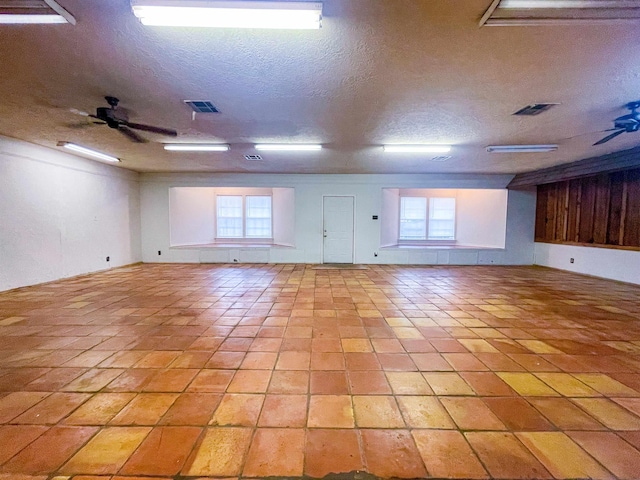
(353, 240)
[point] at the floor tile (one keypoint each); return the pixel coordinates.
(564, 414)
(289, 381)
(145, 409)
(448, 384)
(608, 413)
(250, 381)
(327, 361)
(94, 380)
(332, 451)
(52, 409)
(225, 360)
(431, 362)
(567, 385)
(259, 361)
(191, 409)
(276, 452)
(505, 457)
(220, 453)
(211, 381)
(561, 456)
(173, 380)
(611, 451)
(326, 382)
(162, 452)
(284, 411)
(99, 409)
(606, 385)
(471, 413)
(527, 385)
(17, 403)
(377, 412)
(392, 453)
(362, 361)
(408, 383)
(447, 454)
(107, 451)
(14, 438)
(238, 409)
(487, 384)
(517, 414)
(424, 412)
(50, 451)
(293, 360)
(368, 383)
(330, 411)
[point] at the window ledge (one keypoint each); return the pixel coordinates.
(439, 247)
(233, 245)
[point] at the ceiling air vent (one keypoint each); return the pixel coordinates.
(441, 158)
(252, 158)
(202, 106)
(535, 109)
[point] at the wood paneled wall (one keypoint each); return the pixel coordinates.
(601, 210)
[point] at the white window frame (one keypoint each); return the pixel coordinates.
(426, 239)
(244, 236)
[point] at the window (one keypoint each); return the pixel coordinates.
(254, 223)
(413, 214)
(439, 224)
(258, 223)
(442, 218)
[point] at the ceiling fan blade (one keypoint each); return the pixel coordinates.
(131, 135)
(609, 137)
(152, 129)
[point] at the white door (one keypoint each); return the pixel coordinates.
(338, 229)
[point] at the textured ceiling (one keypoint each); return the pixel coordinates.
(379, 71)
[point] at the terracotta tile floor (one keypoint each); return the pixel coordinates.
(174, 371)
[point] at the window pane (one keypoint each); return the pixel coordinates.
(229, 216)
(413, 218)
(442, 218)
(258, 220)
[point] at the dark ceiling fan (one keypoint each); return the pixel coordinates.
(625, 124)
(119, 120)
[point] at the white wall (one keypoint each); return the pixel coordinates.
(481, 217)
(309, 190)
(622, 265)
(61, 215)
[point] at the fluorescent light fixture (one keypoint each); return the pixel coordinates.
(521, 148)
(34, 12)
(417, 148)
(552, 4)
(229, 14)
(287, 147)
(197, 147)
(89, 152)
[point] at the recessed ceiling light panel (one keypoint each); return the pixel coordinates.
(229, 14)
(521, 148)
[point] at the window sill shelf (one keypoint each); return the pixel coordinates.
(232, 245)
(439, 247)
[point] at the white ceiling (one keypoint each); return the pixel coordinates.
(379, 71)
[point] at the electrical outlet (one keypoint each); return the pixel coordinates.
(375, 254)
(571, 260)
(108, 259)
(159, 252)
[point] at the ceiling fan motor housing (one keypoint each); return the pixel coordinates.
(109, 116)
